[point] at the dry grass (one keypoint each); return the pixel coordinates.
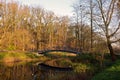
(62, 54)
(8, 57)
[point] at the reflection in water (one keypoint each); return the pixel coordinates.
(16, 72)
(29, 71)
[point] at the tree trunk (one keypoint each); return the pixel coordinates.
(113, 57)
(37, 45)
(91, 23)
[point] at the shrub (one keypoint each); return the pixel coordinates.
(85, 58)
(80, 68)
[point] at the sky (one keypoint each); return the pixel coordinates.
(59, 7)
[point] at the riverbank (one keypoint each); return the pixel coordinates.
(85, 66)
(19, 56)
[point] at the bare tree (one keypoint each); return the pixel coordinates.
(91, 22)
(118, 8)
(105, 22)
(80, 16)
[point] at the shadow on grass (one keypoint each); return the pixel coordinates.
(108, 75)
(112, 73)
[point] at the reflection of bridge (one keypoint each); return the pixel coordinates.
(48, 67)
(47, 51)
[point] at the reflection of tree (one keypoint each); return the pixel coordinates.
(17, 72)
(33, 72)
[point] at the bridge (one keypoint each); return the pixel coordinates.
(55, 68)
(68, 51)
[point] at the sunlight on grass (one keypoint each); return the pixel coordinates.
(61, 54)
(16, 56)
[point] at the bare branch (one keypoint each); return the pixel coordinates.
(101, 10)
(100, 26)
(111, 35)
(115, 41)
(110, 12)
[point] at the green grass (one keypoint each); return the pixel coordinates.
(111, 73)
(59, 54)
(16, 56)
(82, 64)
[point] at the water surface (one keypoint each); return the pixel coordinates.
(30, 71)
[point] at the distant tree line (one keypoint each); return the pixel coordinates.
(93, 28)
(103, 16)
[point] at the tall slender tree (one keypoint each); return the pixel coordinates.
(105, 22)
(91, 22)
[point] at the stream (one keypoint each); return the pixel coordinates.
(29, 71)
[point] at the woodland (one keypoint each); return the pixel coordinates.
(93, 30)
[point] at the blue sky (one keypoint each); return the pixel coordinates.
(60, 7)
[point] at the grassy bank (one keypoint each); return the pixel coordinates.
(18, 56)
(111, 73)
